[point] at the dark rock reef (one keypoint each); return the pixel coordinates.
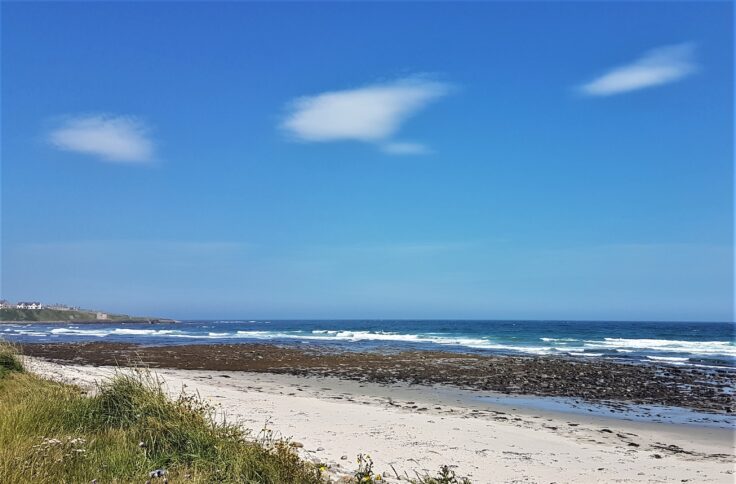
(592, 379)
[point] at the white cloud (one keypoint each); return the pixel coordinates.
(658, 66)
(122, 139)
(405, 148)
(370, 114)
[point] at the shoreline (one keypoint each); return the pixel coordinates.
(414, 427)
(613, 384)
(94, 321)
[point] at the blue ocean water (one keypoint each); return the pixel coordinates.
(677, 343)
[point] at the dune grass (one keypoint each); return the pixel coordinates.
(9, 360)
(54, 433)
(129, 430)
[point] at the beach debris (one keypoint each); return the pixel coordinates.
(675, 449)
(344, 457)
(157, 473)
(297, 445)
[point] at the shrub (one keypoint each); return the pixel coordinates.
(364, 473)
(9, 360)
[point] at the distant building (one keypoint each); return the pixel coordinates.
(60, 307)
(29, 305)
(5, 304)
(101, 315)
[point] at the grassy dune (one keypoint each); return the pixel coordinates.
(129, 430)
(54, 433)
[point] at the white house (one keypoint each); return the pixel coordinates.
(5, 304)
(29, 305)
(60, 307)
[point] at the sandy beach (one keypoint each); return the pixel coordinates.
(416, 428)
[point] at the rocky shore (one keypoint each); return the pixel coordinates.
(589, 380)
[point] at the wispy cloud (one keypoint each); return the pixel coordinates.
(372, 114)
(405, 148)
(176, 247)
(121, 139)
(656, 67)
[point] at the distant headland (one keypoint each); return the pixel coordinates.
(33, 311)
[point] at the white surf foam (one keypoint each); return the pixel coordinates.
(114, 331)
(355, 336)
(144, 332)
(678, 346)
(551, 345)
(670, 359)
(101, 333)
(32, 333)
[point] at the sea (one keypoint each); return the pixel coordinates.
(704, 344)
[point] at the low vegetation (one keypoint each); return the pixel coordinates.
(9, 360)
(444, 476)
(129, 430)
(365, 474)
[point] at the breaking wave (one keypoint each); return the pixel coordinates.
(521, 341)
(677, 346)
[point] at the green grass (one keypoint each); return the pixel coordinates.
(9, 360)
(55, 433)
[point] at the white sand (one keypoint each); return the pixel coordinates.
(334, 418)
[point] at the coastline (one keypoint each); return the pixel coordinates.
(614, 384)
(92, 321)
(50, 315)
(416, 427)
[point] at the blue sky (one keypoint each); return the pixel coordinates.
(375, 160)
